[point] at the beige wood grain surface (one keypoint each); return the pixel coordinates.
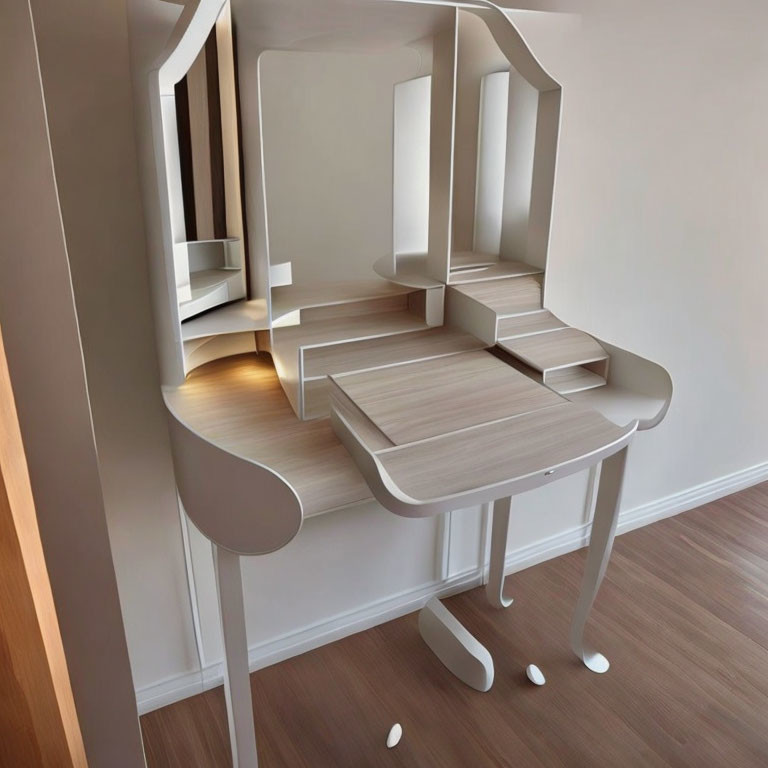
(497, 452)
(372, 306)
(575, 379)
(505, 297)
(336, 329)
(315, 398)
(237, 403)
(501, 270)
(389, 350)
(555, 350)
(287, 298)
(525, 325)
(372, 437)
(424, 399)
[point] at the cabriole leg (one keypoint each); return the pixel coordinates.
(600, 545)
(494, 589)
(237, 684)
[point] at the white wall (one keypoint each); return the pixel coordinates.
(56, 172)
(658, 244)
(328, 157)
(660, 228)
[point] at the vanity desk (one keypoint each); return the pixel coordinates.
(440, 379)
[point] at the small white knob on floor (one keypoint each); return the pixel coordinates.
(394, 736)
(535, 675)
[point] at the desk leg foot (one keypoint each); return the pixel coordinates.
(494, 589)
(467, 658)
(237, 683)
(600, 545)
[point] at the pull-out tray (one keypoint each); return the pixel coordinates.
(444, 434)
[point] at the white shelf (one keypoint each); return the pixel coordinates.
(619, 404)
(201, 283)
(472, 260)
(410, 270)
(343, 329)
(528, 324)
(209, 288)
(481, 272)
(292, 298)
(208, 273)
(566, 381)
(212, 240)
(237, 317)
(563, 348)
(389, 350)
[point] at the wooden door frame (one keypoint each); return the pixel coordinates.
(38, 720)
(46, 374)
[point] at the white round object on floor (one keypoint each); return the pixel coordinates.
(394, 736)
(535, 675)
(596, 662)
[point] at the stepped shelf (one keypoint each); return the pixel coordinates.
(337, 329)
(386, 351)
(505, 297)
(291, 298)
(528, 324)
(566, 381)
(559, 349)
(495, 271)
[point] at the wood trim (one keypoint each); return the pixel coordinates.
(38, 721)
(209, 139)
(236, 197)
(215, 145)
(185, 158)
(230, 123)
(197, 88)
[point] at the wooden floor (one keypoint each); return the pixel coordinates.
(682, 616)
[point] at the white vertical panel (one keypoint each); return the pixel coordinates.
(442, 129)
(410, 170)
(173, 168)
(523, 103)
(465, 540)
(491, 162)
(543, 176)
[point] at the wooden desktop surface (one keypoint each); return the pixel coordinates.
(238, 404)
(448, 427)
(438, 426)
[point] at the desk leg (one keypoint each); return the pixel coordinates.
(452, 643)
(494, 589)
(600, 545)
(237, 683)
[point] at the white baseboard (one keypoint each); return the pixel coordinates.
(693, 497)
(306, 638)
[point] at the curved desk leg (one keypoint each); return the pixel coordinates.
(494, 589)
(237, 683)
(600, 545)
(452, 643)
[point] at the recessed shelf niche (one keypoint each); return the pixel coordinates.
(208, 273)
